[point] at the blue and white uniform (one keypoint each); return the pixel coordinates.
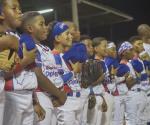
(46, 60)
(18, 105)
(133, 103)
(70, 112)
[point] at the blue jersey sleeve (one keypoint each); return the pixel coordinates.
(38, 60)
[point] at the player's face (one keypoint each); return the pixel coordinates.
(66, 38)
(101, 49)
(39, 29)
(89, 47)
(129, 54)
(74, 32)
(138, 46)
(12, 13)
(112, 52)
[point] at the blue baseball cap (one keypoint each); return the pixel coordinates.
(29, 42)
(124, 46)
(77, 53)
(58, 28)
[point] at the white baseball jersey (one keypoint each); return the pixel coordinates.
(21, 101)
(25, 80)
(144, 84)
(147, 47)
(133, 74)
(73, 82)
(122, 87)
(110, 83)
(48, 64)
(135, 102)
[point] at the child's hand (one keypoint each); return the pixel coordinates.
(130, 81)
(104, 105)
(76, 67)
(28, 56)
(126, 75)
(101, 78)
(62, 98)
(113, 71)
(39, 111)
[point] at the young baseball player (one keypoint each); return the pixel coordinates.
(76, 60)
(141, 73)
(145, 85)
(7, 42)
(12, 20)
(144, 32)
(113, 64)
(100, 45)
(34, 25)
(86, 40)
(123, 71)
(133, 96)
(22, 87)
(69, 113)
(10, 10)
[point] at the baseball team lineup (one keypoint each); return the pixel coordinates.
(50, 74)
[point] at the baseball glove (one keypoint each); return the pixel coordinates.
(91, 72)
(91, 102)
(7, 60)
(104, 105)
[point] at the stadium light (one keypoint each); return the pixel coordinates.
(46, 11)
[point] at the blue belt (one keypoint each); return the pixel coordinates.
(77, 94)
(148, 94)
(137, 90)
(2, 73)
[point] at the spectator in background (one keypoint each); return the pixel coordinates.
(144, 31)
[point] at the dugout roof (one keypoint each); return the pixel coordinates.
(91, 12)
